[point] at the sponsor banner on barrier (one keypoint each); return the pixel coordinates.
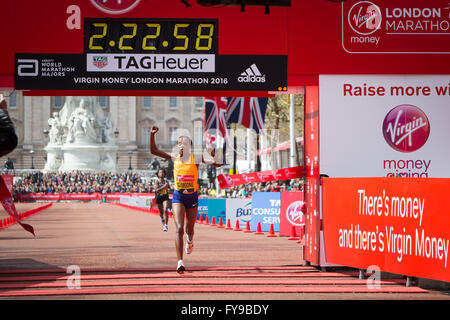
(228, 181)
(136, 201)
(202, 208)
(384, 126)
(266, 210)
(292, 209)
(239, 209)
(399, 225)
(216, 209)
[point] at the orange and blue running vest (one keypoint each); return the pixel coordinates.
(185, 175)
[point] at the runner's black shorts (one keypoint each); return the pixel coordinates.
(161, 198)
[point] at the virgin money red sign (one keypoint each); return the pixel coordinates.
(398, 26)
(397, 224)
(292, 212)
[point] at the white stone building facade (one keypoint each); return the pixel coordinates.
(132, 117)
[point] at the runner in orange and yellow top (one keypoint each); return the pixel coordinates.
(185, 195)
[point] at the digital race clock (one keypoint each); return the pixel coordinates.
(151, 36)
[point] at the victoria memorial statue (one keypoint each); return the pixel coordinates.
(81, 137)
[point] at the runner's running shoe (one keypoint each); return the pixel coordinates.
(189, 247)
(180, 267)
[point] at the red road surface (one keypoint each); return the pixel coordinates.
(124, 254)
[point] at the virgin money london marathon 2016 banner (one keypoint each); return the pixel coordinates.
(266, 210)
(384, 125)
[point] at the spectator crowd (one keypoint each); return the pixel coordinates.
(91, 182)
(245, 191)
(82, 182)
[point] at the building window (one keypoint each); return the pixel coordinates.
(198, 103)
(57, 102)
(13, 100)
(103, 102)
(146, 136)
(173, 135)
(172, 102)
(147, 102)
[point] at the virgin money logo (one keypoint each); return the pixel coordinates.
(364, 17)
(228, 180)
(115, 6)
(295, 214)
(406, 128)
(260, 176)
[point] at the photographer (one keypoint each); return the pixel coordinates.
(8, 137)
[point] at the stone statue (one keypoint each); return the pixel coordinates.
(56, 131)
(81, 124)
(108, 133)
(81, 137)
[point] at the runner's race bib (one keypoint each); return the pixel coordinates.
(185, 182)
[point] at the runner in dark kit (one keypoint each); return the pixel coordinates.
(162, 198)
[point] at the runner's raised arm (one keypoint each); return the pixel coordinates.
(153, 148)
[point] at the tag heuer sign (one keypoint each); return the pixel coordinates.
(71, 71)
(100, 61)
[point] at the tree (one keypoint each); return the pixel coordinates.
(277, 121)
(277, 115)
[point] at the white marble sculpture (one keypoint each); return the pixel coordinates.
(81, 137)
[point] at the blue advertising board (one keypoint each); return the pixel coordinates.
(266, 210)
(202, 208)
(217, 209)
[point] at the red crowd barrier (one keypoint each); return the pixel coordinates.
(77, 196)
(9, 221)
(228, 181)
(149, 210)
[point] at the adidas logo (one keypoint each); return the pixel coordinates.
(252, 74)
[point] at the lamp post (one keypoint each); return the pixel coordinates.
(130, 155)
(32, 158)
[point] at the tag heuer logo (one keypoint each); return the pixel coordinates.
(100, 62)
(252, 74)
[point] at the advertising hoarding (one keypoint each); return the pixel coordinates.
(384, 125)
